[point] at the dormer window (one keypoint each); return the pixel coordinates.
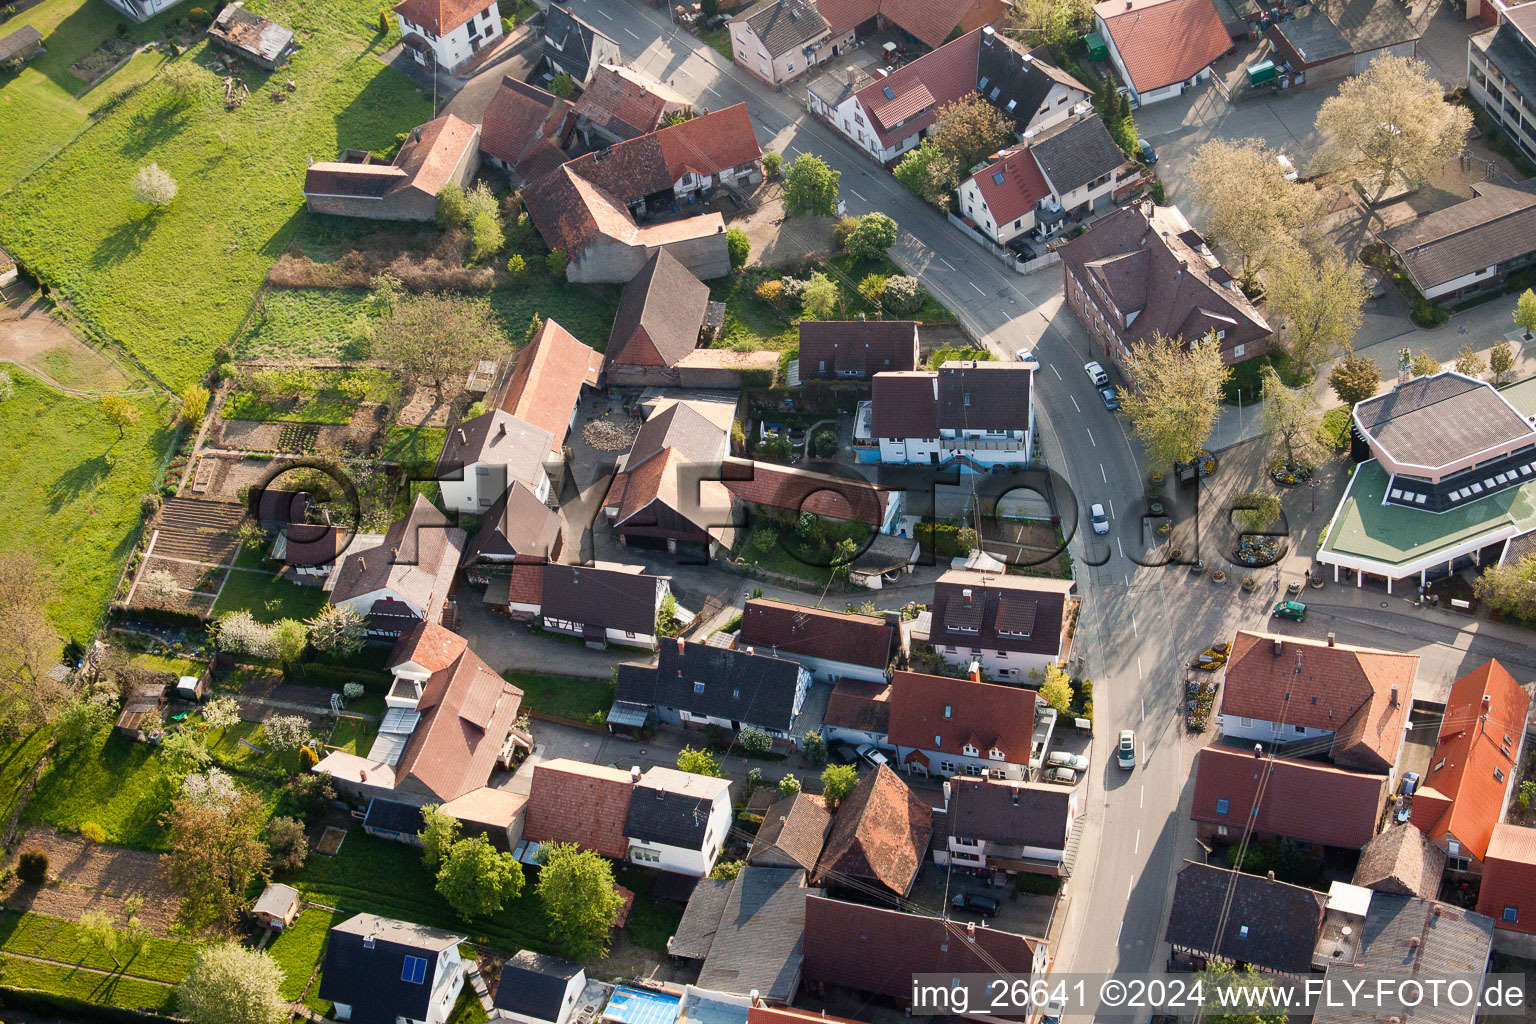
(995, 754)
(968, 750)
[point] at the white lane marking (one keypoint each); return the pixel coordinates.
(1138, 668)
(1056, 372)
(1137, 848)
(1090, 438)
(857, 194)
(1120, 546)
(711, 91)
(1130, 887)
(1134, 630)
(973, 285)
(1143, 797)
(632, 35)
(1119, 933)
(792, 149)
(1111, 508)
(946, 262)
(1074, 403)
(1143, 709)
(1102, 473)
(1127, 578)
(605, 14)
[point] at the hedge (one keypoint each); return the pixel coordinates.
(159, 616)
(50, 1003)
(316, 674)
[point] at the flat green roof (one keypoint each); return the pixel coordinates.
(1394, 535)
(1522, 395)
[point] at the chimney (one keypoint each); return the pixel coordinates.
(1258, 750)
(1298, 663)
(362, 563)
(965, 597)
(946, 794)
(750, 650)
(970, 931)
(975, 672)
(1271, 876)
(892, 619)
(462, 438)
(1332, 640)
(362, 775)
(634, 773)
(1394, 696)
(1487, 702)
(679, 645)
(1278, 647)
(756, 999)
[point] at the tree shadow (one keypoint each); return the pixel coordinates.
(370, 121)
(79, 479)
(125, 241)
(151, 128)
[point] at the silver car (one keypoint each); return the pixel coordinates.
(1061, 776)
(1062, 759)
(1098, 519)
(1125, 751)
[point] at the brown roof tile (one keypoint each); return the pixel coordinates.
(547, 379)
(943, 76)
(1497, 225)
(905, 404)
(439, 16)
(932, 21)
(1007, 613)
(432, 152)
(1304, 800)
(576, 802)
(793, 831)
(1164, 41)
(416, 562)
(517, 119)
(1401, 861)
(801, 490)
(466, 712)
(790, 629)
(859, 705)
(880, 833)
(429, 645)
(625, 103)
(985, 715)
(838, 349)
(659, 314)
(517, 524)
(1509, 877)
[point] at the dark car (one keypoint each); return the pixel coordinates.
(842, 753)
(1148, 154)
(986, 906)
(1110, 401)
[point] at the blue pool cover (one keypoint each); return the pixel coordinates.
(637, 1006)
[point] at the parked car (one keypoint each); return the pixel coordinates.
(1060, 776)
(1410, 783)
(870, 755)
(1111, 402)
(1062, 759)
(843, 753)
(1148, 154)
(1287, 169)
(1291, 610)
(1025, 355)
(1096, 373)
(1125, 751)
(986, 906)
(1052, 1013)
(1098, 519)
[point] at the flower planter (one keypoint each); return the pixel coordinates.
(1249, 582)
(1165, 528)
(1218, 576)
(1317, 583)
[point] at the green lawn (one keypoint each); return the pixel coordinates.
(72, 492)
(329, 403)
(354, 735)
(163, 663)
(573, 698)
(650, 926)
(303, 323)
(53, 939)
(171, 287)
(413, 446)
(88, 986)
(17, 760)
(256, 593)
(298, 951)
(719, 40)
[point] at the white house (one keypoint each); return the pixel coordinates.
(1009, 625)
(437, 32)
(1161, 47)
(968, 414)
(678, 821)
(142, 10)
(1008, 826)
(484, 455)
(780, 40)
(943, 727)
(382, 971)
(831, 645)
(603, 603)
(407, 578)
(537, 989)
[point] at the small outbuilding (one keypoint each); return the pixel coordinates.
(192, 688)
(142, 711)
(539, 989)
(277, 907)
(21, 46)
(264, 43)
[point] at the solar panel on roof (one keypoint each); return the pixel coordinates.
(413, 970)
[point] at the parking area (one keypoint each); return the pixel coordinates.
(1017, 912)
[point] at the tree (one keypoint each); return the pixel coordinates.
(576, 888)
(819, 297)
(556, 262)
(837, 781)
(157, 585)
(283, 733)
(1052, 23)
(439, 835)
(215, 852)
(339, 630)
(929, 172)
(789, 785)
(194, 404)
(450, 206)
(1174, 396)
(1255, 510)
(1249, 205)
(1242, 1011)
(184, 752)
(771, 163)
(562, 85)
(1469, 361)
(81, 718)
(1424, 365)
(739, 246)
(699, 762)
(99, 930)
(517, 266)
(754, 740)
(1525, 312)
(433, 339)
(667, 623)
(872, 288)
(970, 129)
(117, 410)
(1501, 359)
(1509, 588)
(213, 788)
(1393, 123)
(811, 186)
(1055, 687)
(1354, 378)
(1293, 421)
(476, 879)
(1322, 300)
(183, 84)
(290, 639)
(486, 237)
(903, 295)
(875, 234)
(153, 187)
(287, 844)
(240, 633)
(230, 984)
(813, 747)
(220, 713)
(31, 696)
(32, 866)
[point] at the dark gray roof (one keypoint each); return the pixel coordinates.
(499, 439)
(369, 976)
(517, 524)
(754, 689)
(886, 552)
(1512, 48)
(533, 985)
(793, 831)
(597, 596)
(668, 814)
(1369, 24)
(757, 943)
(784, 25)
(1014, 814)
(665, 305)
(394, 816)
(18, 41)
(1271, 925)
(973, 621)
(679, 426)
(864, 347)
(1434, 421)
(1313, 36)
(696, 931)
(1495, 226)
(984, 395)
(569, 41)
(1014, 80)
(1075, 153)
(1408, 937)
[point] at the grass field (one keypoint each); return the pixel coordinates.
(17, 759)
(53, 939)
(413, 446)
(163, 663)
(172, 286)
(573, 698)
(354, 735)
(268, 598)
(303, 323)
(62, 980)
(298, 951)
(72, 492)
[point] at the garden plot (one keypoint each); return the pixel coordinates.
(193, 541)
(94, 877)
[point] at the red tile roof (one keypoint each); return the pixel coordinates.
(1022, 185)
(879, 834)
(1472, 768)
(432, 151)
(576, 802)
(871, 949)
(785, 1015)
(527, 583)
(929, 20)
(466, 712)
(792, 629)
(983, 715)
(857, 704)
(518, 118)
(1305, 800)
(428, 645)
(1164, 41)
(624, 102)
(1344, 689)
(546, 382)
(439, 16)
(1509, 877)
(801, 490)
(933, 80)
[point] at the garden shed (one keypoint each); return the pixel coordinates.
(142, 710)
(264, 43)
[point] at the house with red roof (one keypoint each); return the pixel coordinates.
(577, 802)
(444, 151)
(832, 645)
(1316, 805)
(942, 726)
(621, 103)
(879, 837)
(1467, 788)
(1507, 890)
(547, 382)
(524, 130)
(1161, 47)
(447, 33)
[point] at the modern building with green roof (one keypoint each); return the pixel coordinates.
(1453, 480)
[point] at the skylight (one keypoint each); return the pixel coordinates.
(997, 177)
(889, 94)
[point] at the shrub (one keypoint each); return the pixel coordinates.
(739, 246)
(352, 691)
(198, 16)
(383, 21)
(556, 262)
(517, 267)
(770, 291)
(903, 295)
(824, 444)
(771, 163)
(450, 207)
(149, 504)
(1427, 314)
(507, 25)
(94, 832)
(754, 740)
(32, 868)
(844, 228)
(562, 85)
(789, 785)
(814, 747)
(874, 235)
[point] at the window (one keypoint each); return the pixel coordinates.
(948, 711)
(995, 754)
(1301, 728)
(968, 750)
(938, 741)
(997, 177)
(1221, 830)
(1237, 350)
(1498, 774)
(947, 767)
(789, 67)
(974, 770)
(640, 856)
(1511, 914)
(963, 841)
(698, 687)
(887, 91)
(1223, 805)
(413, 970)
(1438, 765)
